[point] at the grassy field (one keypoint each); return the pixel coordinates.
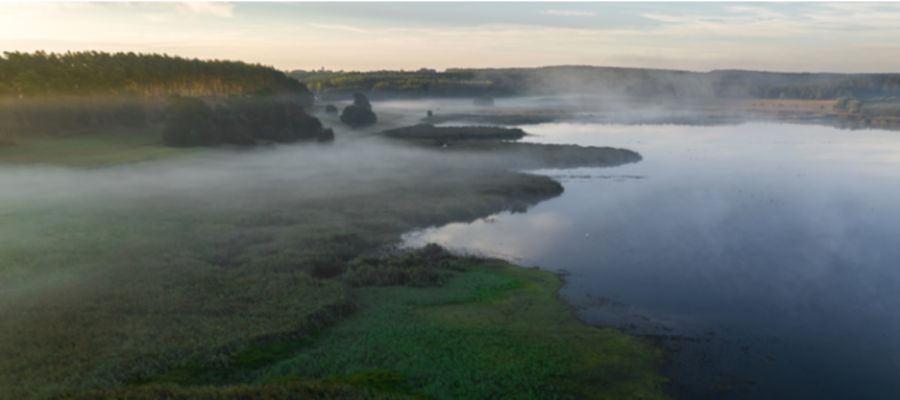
(493, 331)
(220, 276)
(89, 149)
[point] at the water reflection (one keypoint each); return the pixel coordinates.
(773, 247)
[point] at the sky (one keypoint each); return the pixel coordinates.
(838, 37)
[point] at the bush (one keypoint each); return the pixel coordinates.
(326, 135)
(428, 266)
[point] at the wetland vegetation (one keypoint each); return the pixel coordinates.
(171, 235)
(135, 269)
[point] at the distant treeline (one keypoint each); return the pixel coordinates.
(424, 82)
(41, 74)
(636, 82)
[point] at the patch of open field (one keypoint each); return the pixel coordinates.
(87, 149)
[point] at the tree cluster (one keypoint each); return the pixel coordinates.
(359, 113)
(850, 105)
(94, 73)
(243, 121)
(422, 82)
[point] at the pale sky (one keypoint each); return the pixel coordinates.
(840, 37)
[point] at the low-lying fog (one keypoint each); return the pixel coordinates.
(774, 243)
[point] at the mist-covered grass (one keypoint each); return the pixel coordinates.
(99, 148)
(492, 330)
(193, 277)
(114, 276)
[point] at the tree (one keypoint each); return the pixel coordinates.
(189, 122)
(242, 121)
(359, 113)
(360, 100)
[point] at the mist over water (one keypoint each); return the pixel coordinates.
(766, 252)
(770, 249)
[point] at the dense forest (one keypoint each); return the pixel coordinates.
(47, 93)
(636, 82)
(42, 74)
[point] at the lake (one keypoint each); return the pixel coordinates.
(764, 256)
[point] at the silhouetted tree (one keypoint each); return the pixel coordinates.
(359, 113)
(189, 122)
(242, 121)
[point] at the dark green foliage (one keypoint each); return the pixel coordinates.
(429, 266)
(274, 118)
(360, 100)
(146, 75)
(275, 391)
(190, 122)
(233, 364)
(51, 93)
(451, 133)
(359, 113)
(381, 380)
(240, 120)
(356, 116)
(326, 135)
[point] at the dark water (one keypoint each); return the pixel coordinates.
(769, 252)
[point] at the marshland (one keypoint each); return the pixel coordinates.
(186, 219)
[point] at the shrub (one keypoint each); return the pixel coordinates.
(428, 266)
(326, 135)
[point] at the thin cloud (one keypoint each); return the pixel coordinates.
(338, 27)
(570, 13)
(216, 9)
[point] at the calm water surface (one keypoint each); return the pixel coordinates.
(769, 253)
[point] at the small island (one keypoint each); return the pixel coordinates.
(454, 133)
